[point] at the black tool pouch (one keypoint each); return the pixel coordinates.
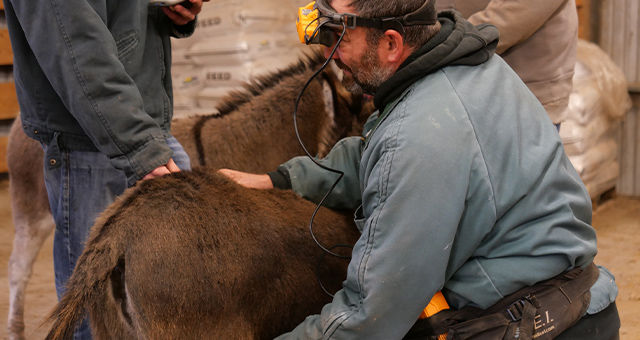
(540, 312)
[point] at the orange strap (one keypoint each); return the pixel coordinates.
(436, 304)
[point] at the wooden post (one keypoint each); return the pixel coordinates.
(8, 101)
(6, 54)
(584, 19)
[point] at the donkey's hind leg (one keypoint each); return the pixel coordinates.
(30, 235)
(32, 219)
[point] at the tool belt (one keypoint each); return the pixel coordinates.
(540, 312)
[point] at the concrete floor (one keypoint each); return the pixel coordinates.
(617, 222)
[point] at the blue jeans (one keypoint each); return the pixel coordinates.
(79, 189)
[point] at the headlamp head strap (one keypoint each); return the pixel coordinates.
(317, 21)
(425, 15)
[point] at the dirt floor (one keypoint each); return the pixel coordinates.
(617, 222)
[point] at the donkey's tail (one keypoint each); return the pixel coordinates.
(91, 278)
(67, 313)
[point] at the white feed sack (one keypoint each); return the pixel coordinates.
(235, 40)
(598, 101)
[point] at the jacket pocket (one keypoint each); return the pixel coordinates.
(126, 44)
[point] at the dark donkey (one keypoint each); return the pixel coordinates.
(253, 131)
(218, 261)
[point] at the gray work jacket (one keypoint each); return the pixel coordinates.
(94, 75)
(463, 186)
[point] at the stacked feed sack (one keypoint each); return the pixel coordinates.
(598, 101)
(235, 40)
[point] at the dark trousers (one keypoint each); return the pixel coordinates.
(602, 326)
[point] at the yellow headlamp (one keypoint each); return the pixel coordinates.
(317, 21)
(308, 23)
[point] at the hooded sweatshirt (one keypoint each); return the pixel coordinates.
(461, 185)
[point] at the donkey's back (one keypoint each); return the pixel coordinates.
(253, 132)
(216, 261)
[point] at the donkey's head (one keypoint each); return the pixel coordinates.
(347, 112)
(259, 118)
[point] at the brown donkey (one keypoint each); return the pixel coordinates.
(252, 131)
(217, 261)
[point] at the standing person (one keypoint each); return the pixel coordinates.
(538, 39)
(460, 182)
(94, 86)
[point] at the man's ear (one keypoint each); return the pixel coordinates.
(392, 46)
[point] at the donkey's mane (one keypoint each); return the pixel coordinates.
(254, 88)
(263, 82)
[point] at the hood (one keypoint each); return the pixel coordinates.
(458, 43)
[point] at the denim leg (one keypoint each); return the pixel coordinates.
(180, 156)
(81, 186)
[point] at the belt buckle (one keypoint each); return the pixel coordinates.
(515, 310)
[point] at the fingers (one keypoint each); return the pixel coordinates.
(175, 17)
(196, 6)
(157, 172)
(248, 180)
(181, 15)
(162, 170)
(171, 165)
(232, 174)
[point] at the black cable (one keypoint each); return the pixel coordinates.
(315, 32)
(341, 174)
(320, 262)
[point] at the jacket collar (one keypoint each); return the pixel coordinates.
(458, 43)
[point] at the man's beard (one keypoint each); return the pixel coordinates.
(369, 76)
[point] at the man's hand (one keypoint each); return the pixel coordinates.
(162, 170)
(248, 180)
(181, 15)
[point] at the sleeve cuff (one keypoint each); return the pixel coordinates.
(184, 31)
(280, 178)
